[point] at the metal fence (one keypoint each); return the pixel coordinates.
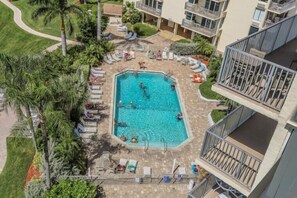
(124, 179)
(141, 5)
(202, 188)
(227, 157)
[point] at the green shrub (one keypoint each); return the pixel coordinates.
(34, 189)
(218, 114)
(184, 41)
(183, 48)
(144, 30)
(37, 160)
(72, 188)
(205, 90)
(130, 13)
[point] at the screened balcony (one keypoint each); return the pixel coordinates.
(281, 6)
(262, 66)
(153, 7)
(209, 9)
(236, 145)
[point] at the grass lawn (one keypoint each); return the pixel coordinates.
(144, 29)
(14, 40)
(20, 152)
(217, 114)
(206, 92)
(53, 28)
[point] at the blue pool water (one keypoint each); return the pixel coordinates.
(152, 117)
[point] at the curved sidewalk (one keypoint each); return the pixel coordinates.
(17, 17)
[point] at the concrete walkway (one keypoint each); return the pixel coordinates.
(17, 17)
(7, 120)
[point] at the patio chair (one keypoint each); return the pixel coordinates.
(181, 173)
(97, 68)
(178, 58)
(118, 54)
(166, 179)
(96, 92)
(97, 74)
(83, 129)
(94, 71)
(164, 55)
(147, 171)
(200, 69)
(105, 59)
(129, 35)
(134, 37)
(132, 165)
(122, 29)
(115, 57)
(121, 165)
(94, 100)
(132, 54)
(110, 58)
(170, 56)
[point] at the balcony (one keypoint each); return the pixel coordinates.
(200, 10)
(261, 67)
(235, 146)
(282, 6)
(151, 10)
(196, 27)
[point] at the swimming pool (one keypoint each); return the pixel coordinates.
(152, 115)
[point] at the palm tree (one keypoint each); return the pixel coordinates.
(51, 9)
(98, 21)
(13, 82)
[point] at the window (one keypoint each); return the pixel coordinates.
(253, 30)
(208, 23)
(259, 14)
(211, 5)
(160, 4)
(189, 16)
(193, 1)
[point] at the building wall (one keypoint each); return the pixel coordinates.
(174, 11)
(237, 22)
(279, 138)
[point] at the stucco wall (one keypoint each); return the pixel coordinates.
(237, 22)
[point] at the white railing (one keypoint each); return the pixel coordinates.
(199, 28)
(200, 10)
(282, 7)
(141, 5)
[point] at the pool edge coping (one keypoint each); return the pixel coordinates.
(182, 106)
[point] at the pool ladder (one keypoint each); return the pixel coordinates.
(164, 144)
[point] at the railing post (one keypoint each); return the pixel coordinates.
(240, 165)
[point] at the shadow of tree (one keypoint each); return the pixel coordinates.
(97, 145)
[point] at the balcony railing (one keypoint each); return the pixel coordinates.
(196, 27)
(200, 10)
(256, 78)
(140, 5)
(282, 7)
(227, 157)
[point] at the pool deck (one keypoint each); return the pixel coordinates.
(161, 162)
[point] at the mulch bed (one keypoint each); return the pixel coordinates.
(33, 173)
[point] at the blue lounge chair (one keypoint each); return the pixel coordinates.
(166, 179)
(133, 37)
(129, 35)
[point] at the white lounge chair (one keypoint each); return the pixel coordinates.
(88, 123)
(106, 60)
(93, 71)
(118, 54)
(97, 101)
(164, 56)
(85, 129)
(132, 54)
(110, 58)
(94, 87)
(115, 57)
(97, 74)
(178, 58)
(122, 29)
(170, 56)
(122, 165)
(147, 171)
(97, 68)
(133, 37)
(195, 66)
(95, 96)
(129, 35)
(96, 92)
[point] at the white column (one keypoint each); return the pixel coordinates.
(175, 28)
(159, 22)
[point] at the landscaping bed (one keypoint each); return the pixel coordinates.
(206, 92)
(218, 114)
(142, 29)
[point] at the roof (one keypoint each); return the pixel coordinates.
(112, 9)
